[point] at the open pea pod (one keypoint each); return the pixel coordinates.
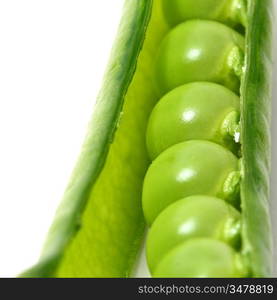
(99, 226)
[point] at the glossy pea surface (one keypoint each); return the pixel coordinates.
(194, 216)
(227, 11)
(201, 257)
(199, 50)
(189, 168)
(199, 110)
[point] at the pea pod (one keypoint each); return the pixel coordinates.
(99, 226)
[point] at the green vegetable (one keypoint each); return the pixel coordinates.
(194, 216)
(99, 225)
(201, 257)
(220, 74)
(200, 50)
(231, 12)
(189, 168)
(255, 139)
(199, 110)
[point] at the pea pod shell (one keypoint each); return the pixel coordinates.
(255, 138)
(72, 248)
(82, 239)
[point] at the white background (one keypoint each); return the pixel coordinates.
(53, 54)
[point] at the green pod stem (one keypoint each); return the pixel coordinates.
(99, 225)
(255, 139)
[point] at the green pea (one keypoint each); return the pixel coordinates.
(194, 216)
(189, 168)
(199, 110)
(231, 12)
(199, 50)
(201, 257)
